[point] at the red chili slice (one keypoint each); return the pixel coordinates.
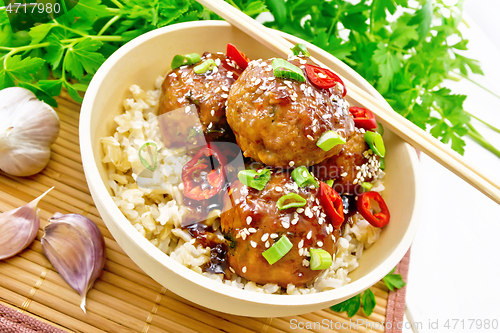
(365, 208)
(201, 188)
(323, 78)
(332, 204)
(363, 117)
(237, 56)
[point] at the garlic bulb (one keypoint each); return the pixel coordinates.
(18, 228)
(27, 130)
(75, 247)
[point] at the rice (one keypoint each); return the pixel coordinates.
(155, 208)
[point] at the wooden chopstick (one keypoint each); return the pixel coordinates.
(388, 117)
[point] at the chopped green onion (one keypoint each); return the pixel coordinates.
(382, 163)
(320, 259)
(330, 182)
(155, 158)
(286, 70)
(299, 49)
(376, 143)
(380, 128)
(278, 250)
(178, 61)
(192, 58)
(298, 201)
(255, 179)
(366, 186)
(187, 59)
(329, 139)
(205, 66)
(303, 177)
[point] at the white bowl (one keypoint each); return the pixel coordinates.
(140, 62)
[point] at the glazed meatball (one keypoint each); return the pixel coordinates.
(208, 91)
(254, 223)
(278, 121)
(347, 167)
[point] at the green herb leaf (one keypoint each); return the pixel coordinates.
(83, 56)
(393, 281)
(351, 306)
(368, 300)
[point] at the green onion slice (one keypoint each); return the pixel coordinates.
(255, 179)
(320, 259)
(299, 49)
(153, 158)
(178, 61)
(192, 58)
(187, 59)
(278, 250)
(329, 139)
(382, 163)
(205, 66)
(296, 201)
(380, 128)
(330, 182)
(303, 177)
(286, 70)
(366, 186)
(376, 143)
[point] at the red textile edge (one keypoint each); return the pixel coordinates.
(396, 303)
(12, 321)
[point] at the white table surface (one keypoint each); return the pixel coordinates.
(455, 261)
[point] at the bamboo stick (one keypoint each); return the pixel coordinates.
(66, 189)
(67, 322)
(67, 119)
(388, 117)
(68, 110)
(57, 199)
(70, 137)
(69, 154)
(63, 169)
(67, 144)
(63, 306)
(79, 184)
(67, 162)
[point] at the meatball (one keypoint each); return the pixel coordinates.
(345, 167)
(254, 223)
(278, 121)
(208, 91)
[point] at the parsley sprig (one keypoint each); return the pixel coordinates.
(367, 299)
(407, 58)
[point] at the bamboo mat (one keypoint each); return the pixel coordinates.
(124, 298)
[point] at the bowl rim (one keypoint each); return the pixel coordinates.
(101, 194)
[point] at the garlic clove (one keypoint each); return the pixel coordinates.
(27, 130)
(18, 228)
(75, 247)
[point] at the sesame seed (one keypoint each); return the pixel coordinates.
(249, 219)
(309, 234)
(305, 263)
(217, 62)
(224, 95)
(281, 88)
(308, 212)
(264, 237)
(212, 113)
(244, 269)
(285, 224)
(301, 251)
(224, 88)
(295, 221)
(291, 163)
(278, 189)
(301, 244)
(254, 244)
(258, 81)
(273, 235)
(217, 90)
(343, 174)
(267, 244)
(320, 244)
(252, 230)
(243, 235)
(310, 137)
(231, 269)
(300, 210)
